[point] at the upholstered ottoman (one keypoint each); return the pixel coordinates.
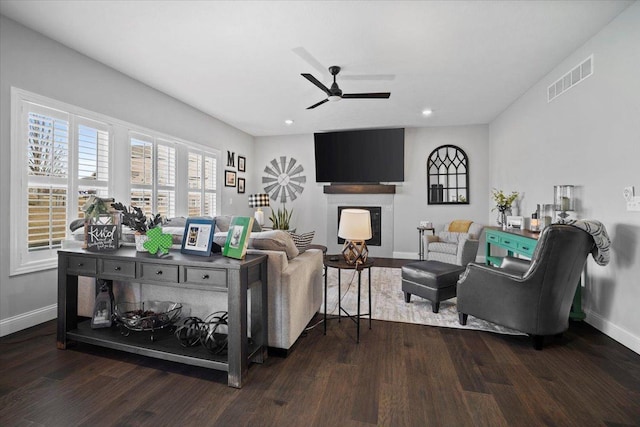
(432, 280)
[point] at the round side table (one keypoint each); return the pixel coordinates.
(337, 261)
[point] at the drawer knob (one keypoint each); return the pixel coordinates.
(159, 272)
(80, 264)
(525, 248)
(117, 268)
(507, 242)
(205, 276)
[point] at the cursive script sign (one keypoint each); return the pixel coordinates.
(102, 237)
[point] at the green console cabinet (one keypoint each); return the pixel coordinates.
(523, 242)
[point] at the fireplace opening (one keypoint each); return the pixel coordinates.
(376, 223)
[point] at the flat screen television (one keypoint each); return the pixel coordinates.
(360, 156)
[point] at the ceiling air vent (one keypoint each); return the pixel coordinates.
(572, 78)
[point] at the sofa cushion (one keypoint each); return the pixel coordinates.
(445, 248)
(274, 240)
(452, 237)
(302, 241)
(223, 222)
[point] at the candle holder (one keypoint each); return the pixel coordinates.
(564, 201)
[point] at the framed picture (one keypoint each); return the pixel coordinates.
(240, 185)
(242, 164)
(238, 237)
(198, 237)
(229, 179)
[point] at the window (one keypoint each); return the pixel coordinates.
(64, 154)
(61, 159)
(202, 184)
(153, 175)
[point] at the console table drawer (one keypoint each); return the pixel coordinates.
(159, 272)
(118, 268)
(509, 243)
(527, 248)
(82, 265)
(206, 276)
(493, 238)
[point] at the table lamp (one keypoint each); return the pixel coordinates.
(355, 228)
(259, 201)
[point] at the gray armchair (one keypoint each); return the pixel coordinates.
(533, 297)
(453, 247)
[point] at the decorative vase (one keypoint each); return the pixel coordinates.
(140, 240)
(502, 217)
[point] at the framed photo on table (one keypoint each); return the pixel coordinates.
(238, 237)
(229, 179)
(198, 237)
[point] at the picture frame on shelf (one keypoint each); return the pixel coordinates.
(238, 237)
(242, 164)
(198, 237)
(241, 183)
(229, 178)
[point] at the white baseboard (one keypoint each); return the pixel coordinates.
(614, 331)
(405, 255)
(27, 320)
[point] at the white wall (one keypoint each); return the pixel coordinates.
(410, 200)
(31, 61)
(588, 137)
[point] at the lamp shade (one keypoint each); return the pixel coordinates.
(258, 200)
(355, 224)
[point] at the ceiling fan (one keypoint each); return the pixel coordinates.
(335, 93)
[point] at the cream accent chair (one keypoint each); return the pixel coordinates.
(454, 247)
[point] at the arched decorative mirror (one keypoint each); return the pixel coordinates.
(448, 176)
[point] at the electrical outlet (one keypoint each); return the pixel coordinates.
(634, 205)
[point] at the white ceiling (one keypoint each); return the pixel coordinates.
(240, 61)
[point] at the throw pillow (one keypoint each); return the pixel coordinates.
(459, 226)
(302, 241)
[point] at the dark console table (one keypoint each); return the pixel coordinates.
(214, 274)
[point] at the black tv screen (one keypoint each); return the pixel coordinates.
(360, 156)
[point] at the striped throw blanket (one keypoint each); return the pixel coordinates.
(599, 233)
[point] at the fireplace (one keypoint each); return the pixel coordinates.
(376, 223)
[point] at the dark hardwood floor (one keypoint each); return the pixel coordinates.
(399, 375)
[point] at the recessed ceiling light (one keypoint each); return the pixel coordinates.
(288, 122)
(427, 112)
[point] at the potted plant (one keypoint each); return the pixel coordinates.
(503, 204)
(281, 218)
(138, 221)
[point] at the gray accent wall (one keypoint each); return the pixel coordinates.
(410, 201)
(589, 137)
(33, 62)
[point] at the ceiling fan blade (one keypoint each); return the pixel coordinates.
(316, 82)
(368, 77)
(319, 103)
(309, 59)
(366, 95)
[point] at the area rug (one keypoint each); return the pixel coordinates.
(387, 301)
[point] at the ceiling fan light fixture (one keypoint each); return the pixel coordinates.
(427, 112)
(334, 98)
(288, 122)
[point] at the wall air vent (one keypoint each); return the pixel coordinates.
(572, 78)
